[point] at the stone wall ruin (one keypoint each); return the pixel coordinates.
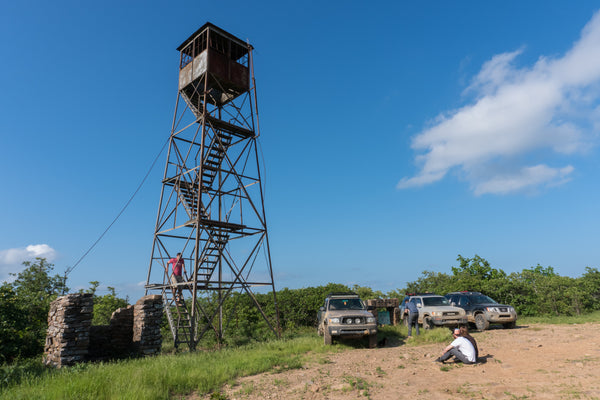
(133, 331)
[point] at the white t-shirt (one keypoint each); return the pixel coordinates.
(463, 345)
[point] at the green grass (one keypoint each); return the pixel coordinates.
(357, 383)
(560, 320)
(397, 335)
(166, 376)
(179, 374)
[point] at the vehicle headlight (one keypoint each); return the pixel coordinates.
(334, 320)
(492, 309)
(357, 320)
(436, 313)
(370, 320)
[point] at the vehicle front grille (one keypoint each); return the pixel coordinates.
(450, 313)
(353, 320)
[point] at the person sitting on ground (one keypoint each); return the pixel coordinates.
(464, 332)
(461, 348)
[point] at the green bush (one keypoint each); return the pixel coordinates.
(534, 291)
(24, 306)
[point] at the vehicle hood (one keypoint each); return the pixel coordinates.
(492, 305)
(444, 308)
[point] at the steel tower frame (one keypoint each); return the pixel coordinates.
(212, 199)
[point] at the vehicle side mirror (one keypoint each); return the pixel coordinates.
(321, 308)
(419, 306)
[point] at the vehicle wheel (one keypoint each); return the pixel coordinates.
(373, 341)
(510, 325)
(427, 324)
(327, 339)
(481, 323)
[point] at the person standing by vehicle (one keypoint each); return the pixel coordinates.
(412, 313)
(178, 267)
(461, 348)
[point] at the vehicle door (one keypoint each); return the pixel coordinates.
(465, 303)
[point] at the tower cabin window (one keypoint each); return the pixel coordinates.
(195, 47)
(233, 50)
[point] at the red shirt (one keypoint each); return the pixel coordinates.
(177, 265)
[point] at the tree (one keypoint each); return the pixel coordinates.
(429, 281)
(25, 303)
(12, 326)
(477, 267)
(590, 284)
(367, 293)
(105, 305)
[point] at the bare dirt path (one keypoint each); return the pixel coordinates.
(529, 362)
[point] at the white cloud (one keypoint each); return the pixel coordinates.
(526, 177)
(11, 260)
(549, 108)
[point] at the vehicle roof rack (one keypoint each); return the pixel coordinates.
(464, 291)
(342, 294)
(419, 294)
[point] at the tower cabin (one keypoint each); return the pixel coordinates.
(213, 68)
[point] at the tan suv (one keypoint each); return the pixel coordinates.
(435, 311)
(344, 315)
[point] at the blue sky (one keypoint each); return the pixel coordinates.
(395, 136)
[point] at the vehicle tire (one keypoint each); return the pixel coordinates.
(481, 323)
(510, 325)
(427, 324)
(327, 339)
(320, 330)
(373, 341)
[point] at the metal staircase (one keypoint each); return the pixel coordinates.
(188, 192)
(214, 158)
(178, 317)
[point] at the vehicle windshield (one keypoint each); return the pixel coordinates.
(346, 304)
(482, 299)
(435, 301)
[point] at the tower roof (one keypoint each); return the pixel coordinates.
(216, 29)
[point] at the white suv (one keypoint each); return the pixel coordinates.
(435, 311)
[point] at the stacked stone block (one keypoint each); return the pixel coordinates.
(99, 349)
(147, 316)
(113, 340)
(71, 338)
(68, 335)
(121, 331)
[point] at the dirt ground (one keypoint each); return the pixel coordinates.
(529, 362)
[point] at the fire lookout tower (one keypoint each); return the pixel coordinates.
(211, 206)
